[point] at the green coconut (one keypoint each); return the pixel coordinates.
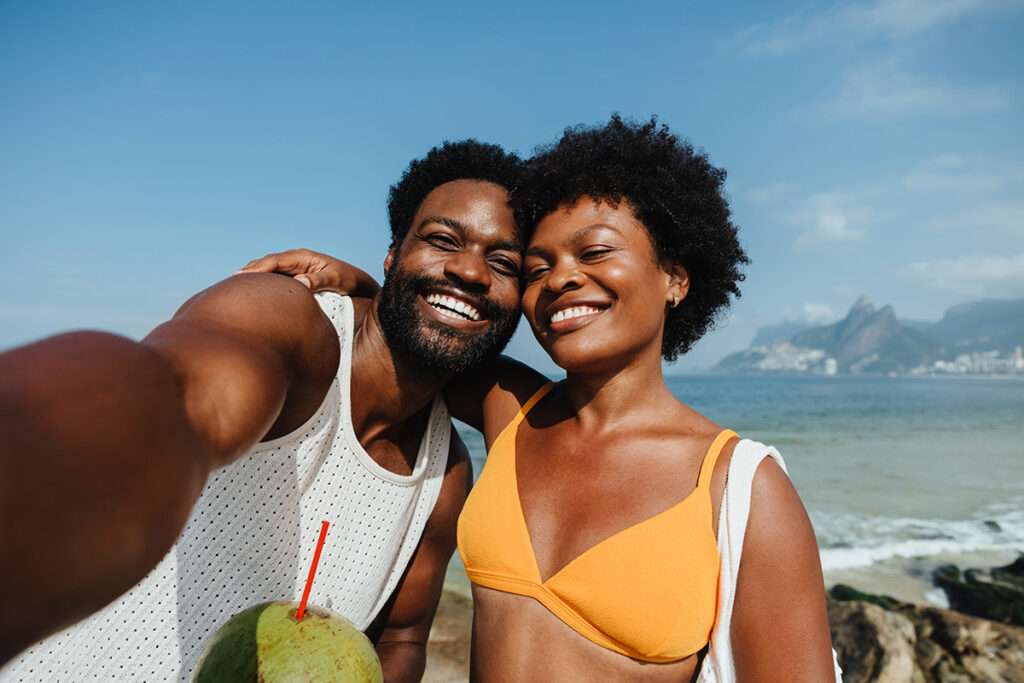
(265, 644)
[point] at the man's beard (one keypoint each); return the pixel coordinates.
(434, 346)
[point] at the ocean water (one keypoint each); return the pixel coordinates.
(899, 475)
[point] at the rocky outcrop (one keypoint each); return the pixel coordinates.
(996, 594)
(883, 640)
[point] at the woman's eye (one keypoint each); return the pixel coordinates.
(535, 273)
(594, 254)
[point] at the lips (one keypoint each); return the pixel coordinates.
(574, 312)
(451, 305)
(572, 315)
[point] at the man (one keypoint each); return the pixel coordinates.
(307, 408)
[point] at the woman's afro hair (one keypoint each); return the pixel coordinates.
(463, 160)
(674, 191)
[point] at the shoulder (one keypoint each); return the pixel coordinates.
(274, 313)
(267, 302)
(489, 396)
(515, 383)
(780, 593)
(778, 518)
(516, 380)
(778, 524)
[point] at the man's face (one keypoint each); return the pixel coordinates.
(450, 299)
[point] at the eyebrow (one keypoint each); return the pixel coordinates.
(576, 237)
(500, 245)
(443, 220)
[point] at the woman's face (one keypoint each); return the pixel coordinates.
(595, 294)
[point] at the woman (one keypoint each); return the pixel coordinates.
(590, 537)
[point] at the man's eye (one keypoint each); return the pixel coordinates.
(443, 241)
(506, 266)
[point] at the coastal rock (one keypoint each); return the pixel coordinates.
(872, 643)
(881, 639)
(996, 594)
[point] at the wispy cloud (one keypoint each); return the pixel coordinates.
(830, 217)
(971, 194)
(770, 194)
(884, 90)
(1006, 218)
(972, 275)
(859, 20)
(817, 314)
(954, 174)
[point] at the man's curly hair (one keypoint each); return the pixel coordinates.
(463, 160)
(674, 191)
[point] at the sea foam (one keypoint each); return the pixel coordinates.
(848, 541)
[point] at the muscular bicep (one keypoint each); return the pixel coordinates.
(239, 349)
(780, 625)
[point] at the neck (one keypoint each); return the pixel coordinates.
(613, 396)
(390, 387)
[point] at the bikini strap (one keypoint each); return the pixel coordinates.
(707, 468)
(532, 401)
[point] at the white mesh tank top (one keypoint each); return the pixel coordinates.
(250, 539)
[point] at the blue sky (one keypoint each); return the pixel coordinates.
(147, 150)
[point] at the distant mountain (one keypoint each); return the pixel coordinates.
(870, 340)
(773, 334)
(989, 324)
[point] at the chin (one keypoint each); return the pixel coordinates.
(581, 358)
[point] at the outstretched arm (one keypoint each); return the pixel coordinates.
(107, 442)
(780, 626)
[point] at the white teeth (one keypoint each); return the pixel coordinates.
(450, 304)
(574, 312)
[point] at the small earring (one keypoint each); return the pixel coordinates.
(675, 300)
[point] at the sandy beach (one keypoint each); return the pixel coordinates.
(448, 648)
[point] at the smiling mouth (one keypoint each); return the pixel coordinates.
(452, 307)
(575, 312)
(572, 318)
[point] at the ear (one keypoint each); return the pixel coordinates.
(678, 284)
(389, 259)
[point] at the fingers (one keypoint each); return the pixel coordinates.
(291, 262)
(320, 282)
(267, 264)
(311, 268)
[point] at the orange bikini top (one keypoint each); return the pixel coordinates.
(649, 592)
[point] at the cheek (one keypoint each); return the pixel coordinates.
(528, 302)
(511, 298)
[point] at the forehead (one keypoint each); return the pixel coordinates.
(568, 223)
(479, 206)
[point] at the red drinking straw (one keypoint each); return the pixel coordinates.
(312, 571)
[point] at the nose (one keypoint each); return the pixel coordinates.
(564, 276)
(468, 269)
